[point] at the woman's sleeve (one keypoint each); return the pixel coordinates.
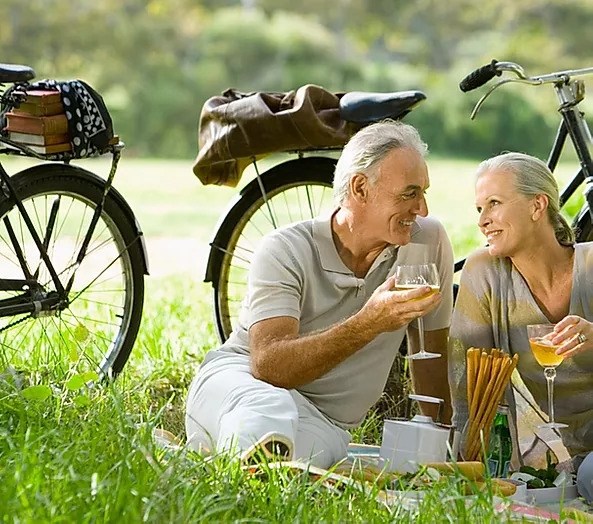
(471, 326)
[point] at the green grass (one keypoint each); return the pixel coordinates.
(62, 460)
(66, 462)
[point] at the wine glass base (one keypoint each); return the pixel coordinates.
(423, 355)
(553, 425)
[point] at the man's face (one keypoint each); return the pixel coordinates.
(397, 197)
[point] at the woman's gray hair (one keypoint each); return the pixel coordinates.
(368, 147)
(533, 177)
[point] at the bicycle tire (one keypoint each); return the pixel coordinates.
(583, 225)
(98, 328)
(250, 217)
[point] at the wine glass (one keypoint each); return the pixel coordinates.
(412, 277)
(545, 353)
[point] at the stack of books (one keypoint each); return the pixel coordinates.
(40, 123)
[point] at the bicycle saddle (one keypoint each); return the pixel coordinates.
(10, 73)
(362, 107)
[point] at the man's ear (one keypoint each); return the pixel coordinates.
(540, 206)
(359, 187)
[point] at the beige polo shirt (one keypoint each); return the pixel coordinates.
(297, 272)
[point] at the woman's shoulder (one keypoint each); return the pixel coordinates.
(481, 264)
(585, 247)
(480, 259)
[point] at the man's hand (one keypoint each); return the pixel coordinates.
(389, 310)
(283, 358)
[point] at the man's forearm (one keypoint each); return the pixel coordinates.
(293, 361)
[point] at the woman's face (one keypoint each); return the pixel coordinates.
(506, 217)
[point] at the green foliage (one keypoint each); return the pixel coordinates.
(67, 460)
(157, 62)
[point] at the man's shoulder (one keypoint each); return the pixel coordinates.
(296, 232)
(429, 223)
(428, 230)
(290, 239)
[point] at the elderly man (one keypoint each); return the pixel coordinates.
(322, 323)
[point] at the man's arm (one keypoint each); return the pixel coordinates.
(430, 376)
(283, 358)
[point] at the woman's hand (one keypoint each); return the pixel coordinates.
(574, 334)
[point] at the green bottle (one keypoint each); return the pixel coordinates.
(500, 445)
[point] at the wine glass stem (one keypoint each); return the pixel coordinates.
(550, 374)
(420, 322)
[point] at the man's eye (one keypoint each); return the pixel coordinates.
(408, 196)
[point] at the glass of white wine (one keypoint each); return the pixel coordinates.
(545, 353)
(412, 277)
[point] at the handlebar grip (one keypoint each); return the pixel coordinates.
(479, 77)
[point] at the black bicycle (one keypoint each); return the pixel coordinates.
(72, 259)
(300, 188)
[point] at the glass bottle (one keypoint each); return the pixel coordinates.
(500, 445)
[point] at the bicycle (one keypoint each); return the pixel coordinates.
(72, 258)
(301, 188)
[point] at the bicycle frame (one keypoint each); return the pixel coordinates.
(53, 301)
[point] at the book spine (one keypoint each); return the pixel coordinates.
(39, 110)
(37, 125)
(43, 97)
(38, 140)
(47, 150)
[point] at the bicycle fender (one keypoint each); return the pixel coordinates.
(99, 183)
(271, 179)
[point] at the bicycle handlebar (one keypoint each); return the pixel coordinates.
(479, 77)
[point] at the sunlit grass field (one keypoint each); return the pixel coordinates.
(66, 461)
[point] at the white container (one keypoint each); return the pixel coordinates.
(555, 494)
(408, 443)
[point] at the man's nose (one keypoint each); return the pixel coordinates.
(422, 207)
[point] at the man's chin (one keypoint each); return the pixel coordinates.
(402, 239)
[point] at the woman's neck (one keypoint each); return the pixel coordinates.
(548, 273)
(545, 263)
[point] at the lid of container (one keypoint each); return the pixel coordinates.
(423, 419)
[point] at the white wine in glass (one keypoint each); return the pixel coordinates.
(545, 353)
(413, 277)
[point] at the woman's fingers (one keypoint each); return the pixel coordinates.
(574, 334)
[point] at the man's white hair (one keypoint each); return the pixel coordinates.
(369, 147)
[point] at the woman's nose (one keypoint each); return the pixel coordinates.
(483, 219)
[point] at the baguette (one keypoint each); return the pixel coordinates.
(500, 487)
(473, 470)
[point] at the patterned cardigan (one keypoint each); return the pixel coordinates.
(493, 308)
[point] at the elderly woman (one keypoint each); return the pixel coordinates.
(531, 272)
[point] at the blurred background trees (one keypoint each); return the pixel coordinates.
(157, 61)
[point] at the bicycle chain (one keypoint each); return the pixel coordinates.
(15, 323)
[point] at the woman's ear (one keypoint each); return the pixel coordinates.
(359, 187)
(540, 206)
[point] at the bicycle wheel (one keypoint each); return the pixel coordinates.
(98, 327)
(583, 225)
(295, 190)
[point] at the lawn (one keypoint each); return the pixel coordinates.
(67, 461)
